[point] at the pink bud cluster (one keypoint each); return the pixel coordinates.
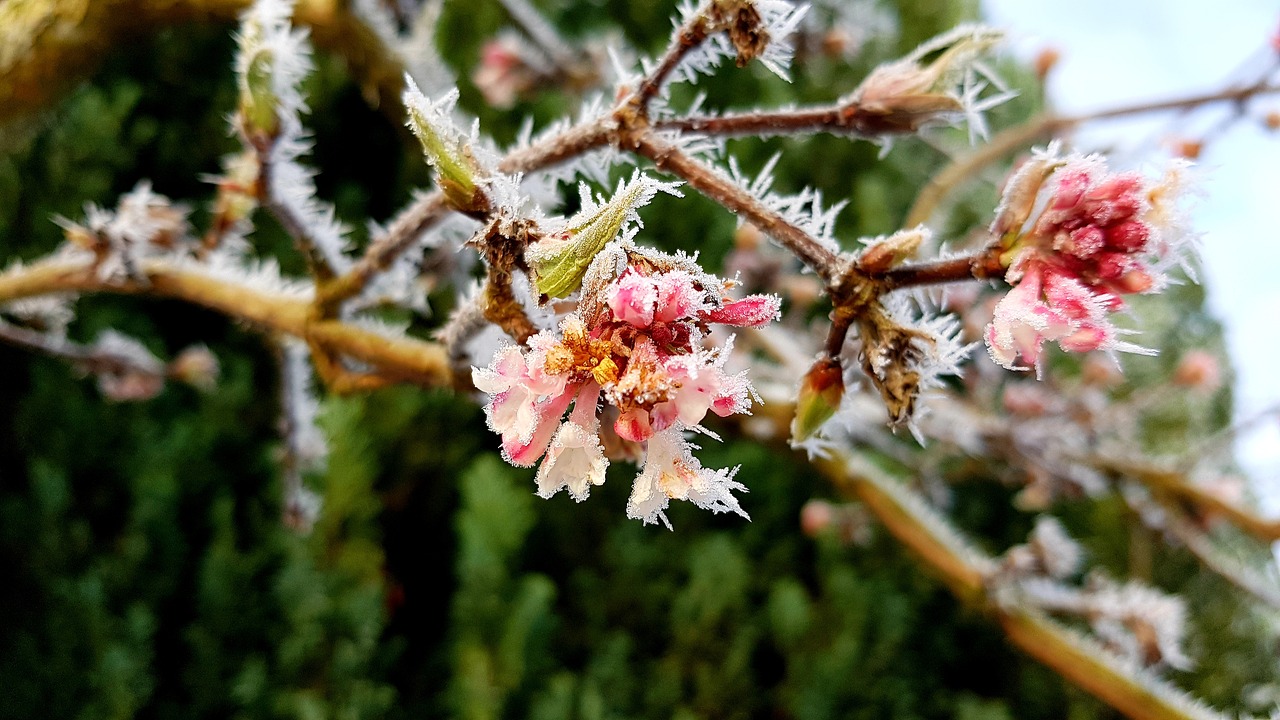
(1099, 236)
(637, 342)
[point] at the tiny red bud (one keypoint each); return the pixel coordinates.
(1128, 236)
(821, 392)
(815, 517)
(1200, 370)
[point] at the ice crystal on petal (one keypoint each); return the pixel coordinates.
(574, 462)
(1098, 236)
(637, 340)
(671, 472)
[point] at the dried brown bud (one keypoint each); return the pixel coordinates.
(746, 29)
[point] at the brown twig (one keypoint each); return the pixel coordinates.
(687, 38)
(847, 117)
(294, 225)
(87, 358)
(401, 358)
(965, 570)
(1045, 126)
(716, 186)
(1175, 485)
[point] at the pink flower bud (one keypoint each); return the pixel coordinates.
(754, 311)
(821, 393)
(816, 517)
(1199, 370)
(1129, 236)
(633, 299)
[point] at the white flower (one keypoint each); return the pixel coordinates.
(575, 461)
(671, 472)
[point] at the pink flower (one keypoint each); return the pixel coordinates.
(1099, 236)
(575, 460)
(637, 342)
(633, 298)
(671, 472)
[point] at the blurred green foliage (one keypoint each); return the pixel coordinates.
(148, 574)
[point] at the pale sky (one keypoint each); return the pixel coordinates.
(1121, 51)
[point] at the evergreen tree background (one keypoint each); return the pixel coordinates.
(147, 573)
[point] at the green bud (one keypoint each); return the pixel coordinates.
(561, 260)
(446, 150)
(820, 396)
(258, 100)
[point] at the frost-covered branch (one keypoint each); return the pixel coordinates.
(282, 308)
(965, 570)
(1167, 482)
(125, 369)
(822, 259)
(1048, 125)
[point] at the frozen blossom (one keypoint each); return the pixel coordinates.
(1096, 236)
(636, 346)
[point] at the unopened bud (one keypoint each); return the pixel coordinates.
(1046, 60)
(748, 237)
(1018, 198)
(883, 255)
(821, 392)
(815, 517)
(906, 94)
(1186, 148)
(456, 166)
(1200, 370)
(195, 366)
(258, 99)
(561, 260)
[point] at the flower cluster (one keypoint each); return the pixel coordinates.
(637, 342)
(1099, 236)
